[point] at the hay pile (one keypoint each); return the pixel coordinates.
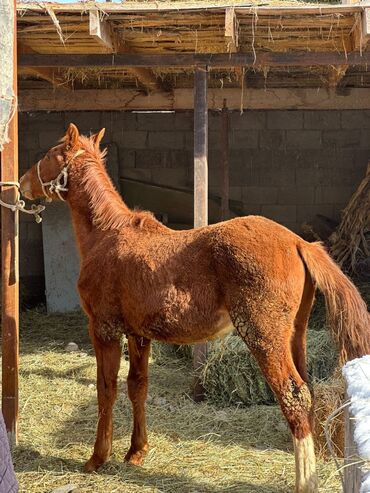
(232, 376)
(350, 244)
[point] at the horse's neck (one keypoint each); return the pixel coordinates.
(95, 205)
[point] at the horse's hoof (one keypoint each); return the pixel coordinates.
(136, 458)
(93, 464)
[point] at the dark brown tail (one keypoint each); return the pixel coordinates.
(346, 311)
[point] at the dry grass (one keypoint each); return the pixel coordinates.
(195, 448)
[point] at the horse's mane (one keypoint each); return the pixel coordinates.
(107, 207)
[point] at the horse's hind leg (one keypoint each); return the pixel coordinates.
(298, 342)
(108, 356)
(272, 350)
(137, 384)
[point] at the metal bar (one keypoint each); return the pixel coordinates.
(225, 190)
(200, 192)
(10, 275)
(220, 60)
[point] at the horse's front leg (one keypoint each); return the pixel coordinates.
(108, 357)
(137, 384)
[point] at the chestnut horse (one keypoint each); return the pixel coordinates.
(141, 279)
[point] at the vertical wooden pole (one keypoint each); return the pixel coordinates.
(9, 258)
(352, 462)
(225, 162)
(200, 192)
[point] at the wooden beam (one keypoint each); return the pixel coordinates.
(217, 60)
(225, 188)
(100, 30)
(352, 462)
(49, 74)
(200, 193)
(10, 273)
(182, 99)
(231, 30)
(361, 31)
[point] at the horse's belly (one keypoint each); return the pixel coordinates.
(184, 331)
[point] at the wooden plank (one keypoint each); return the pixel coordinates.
(225, 188)
(200, 193)
(216, 60)
(231, 30)
(352, 462)
(100, 30)
(184, 6)
(10, 274)
(182, 99)
(361, 31)
(49, 74)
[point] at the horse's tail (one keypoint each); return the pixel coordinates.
(346, 311)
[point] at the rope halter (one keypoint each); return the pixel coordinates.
(58, 184)
(20, 205)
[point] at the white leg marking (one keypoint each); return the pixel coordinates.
(305, 465)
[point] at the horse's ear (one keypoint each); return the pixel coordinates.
(98, 137)
(72, 135)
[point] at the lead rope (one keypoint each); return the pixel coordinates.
(20, 205)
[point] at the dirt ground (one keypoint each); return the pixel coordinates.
(195, 448)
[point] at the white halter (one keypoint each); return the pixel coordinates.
(58, 184)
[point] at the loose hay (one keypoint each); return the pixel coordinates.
(329, 396)
(195, 447)
(231, 374)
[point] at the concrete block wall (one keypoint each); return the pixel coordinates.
(286, 165)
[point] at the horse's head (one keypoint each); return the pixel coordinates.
(48, 178)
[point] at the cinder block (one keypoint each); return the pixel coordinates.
(280, 213)
(293, 195)
(333, 195)
(306, 212)
(174, 177)
(87, 122)
(356, 119)
(137, 174)
(148, 158)
(272, 139)
(252, 209)
(322, 120)
(276, 176)
(48, 139)
(156, 121)
(166, 140)
(249, 120)
(303, 139)
(130, 139)
(365, 139)
(177, 159)
(341, 138)
(241, 173)
(184, 120)
(127, 158)
(260, 195)
(242, 139)
(41, 120)
(285, 120)
(114, 120)
(306, 176)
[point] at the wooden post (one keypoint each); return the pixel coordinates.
(225, 162)
(200, 191)
(9, 257)
(352, 462)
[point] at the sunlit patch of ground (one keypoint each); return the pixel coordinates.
(194, 448)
